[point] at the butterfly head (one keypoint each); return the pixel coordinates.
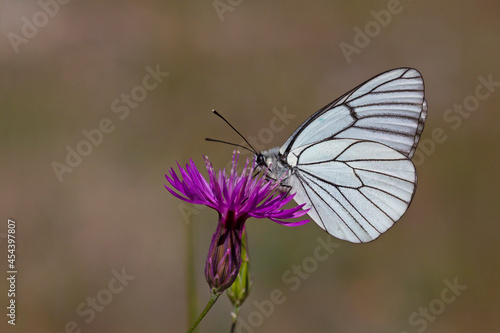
(271, 162)
(260, 159)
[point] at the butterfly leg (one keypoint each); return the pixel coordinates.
(255, 174)
(284, 187)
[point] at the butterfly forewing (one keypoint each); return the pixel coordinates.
(389, 109)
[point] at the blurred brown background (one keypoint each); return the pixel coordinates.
(64, 65)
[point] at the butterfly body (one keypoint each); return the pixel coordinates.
(350, 162)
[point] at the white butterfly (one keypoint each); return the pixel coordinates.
(350, 162)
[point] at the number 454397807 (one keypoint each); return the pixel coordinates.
(11, 246)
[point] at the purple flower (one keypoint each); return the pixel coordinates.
(236, 198)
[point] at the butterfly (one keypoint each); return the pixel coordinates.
(350, 162)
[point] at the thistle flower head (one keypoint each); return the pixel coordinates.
(236, 197)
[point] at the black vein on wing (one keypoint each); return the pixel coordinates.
(379, 129)
(388, 193)
(333, 210)
(359, 212)
(380, 209)
(381, 173)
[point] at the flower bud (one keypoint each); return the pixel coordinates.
(224, 256)
(240, 289)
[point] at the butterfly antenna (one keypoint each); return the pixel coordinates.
(229, 143)
(227, 122)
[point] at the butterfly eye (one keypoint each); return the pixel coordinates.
(261, 160)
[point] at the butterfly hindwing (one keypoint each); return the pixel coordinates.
(355, 189)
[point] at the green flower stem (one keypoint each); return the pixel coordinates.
(234, 315)
(214, 295)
